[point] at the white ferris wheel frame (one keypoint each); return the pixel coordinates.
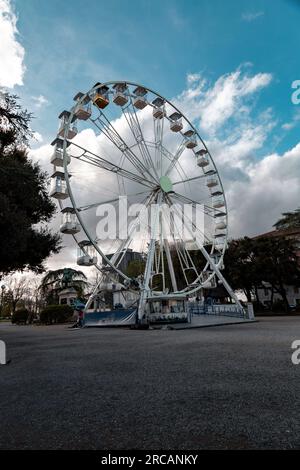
(210, 264)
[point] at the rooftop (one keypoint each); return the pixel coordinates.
(295, 232)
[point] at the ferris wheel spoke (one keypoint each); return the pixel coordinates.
(176, 157)
(133, 124)
(106, 127)
(216, 271)
(145, 292)
(168, 256)
(121, 251)
(182, 174)
(131, 117)
(208, 210)
(109, 201)
(205, 237)
(94, 159)
(205, 254)
(189, 179)
(166, 153)
(117, 170)
(183, 255)
(158, 128)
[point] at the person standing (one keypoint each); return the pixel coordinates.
(80, 319)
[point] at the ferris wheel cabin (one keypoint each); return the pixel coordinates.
(191, 141)
(57, 158)
(140, 98)
(202, 159)
(100, 97)
(58, 188)
(63, 129)
(83, 109)
(176, 122)
(119, 97)
(212, 181)
(158, 110)
(70, 224)
(218, 202)
(86, 254)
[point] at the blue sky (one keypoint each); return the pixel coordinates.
(70, 45)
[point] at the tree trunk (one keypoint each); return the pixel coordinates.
(256, 295)
(284, 297)
(247, 293)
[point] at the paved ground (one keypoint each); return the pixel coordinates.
(217, 388)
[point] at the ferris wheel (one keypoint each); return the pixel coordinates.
(121, 140)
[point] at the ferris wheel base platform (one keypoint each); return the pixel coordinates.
(118, 317)
(128, 317)
(205, 321)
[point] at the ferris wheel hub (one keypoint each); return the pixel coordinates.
(165, 184)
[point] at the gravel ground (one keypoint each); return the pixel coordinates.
(230, 387)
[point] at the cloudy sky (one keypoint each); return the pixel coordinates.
(229, 66)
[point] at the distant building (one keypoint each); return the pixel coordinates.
(129, 256)
(293, 292)
(67, 296)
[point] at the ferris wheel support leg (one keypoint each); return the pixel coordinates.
(221, 277)
(218, 272)
(146, 289)
(227, 286)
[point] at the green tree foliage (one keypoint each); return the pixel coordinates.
(14, 122)
(276, 263)
(240, 267)
(135, 268)
(251, 264)
(56, 314)
(20, 316)
(25, 207)
(52, 283)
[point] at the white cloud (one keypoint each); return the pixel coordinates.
(272, 188)
(193, 77)
(11, 51)
(40, 101)
(287, 126)
(252, 16)
(258, 185)
(214, 104)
